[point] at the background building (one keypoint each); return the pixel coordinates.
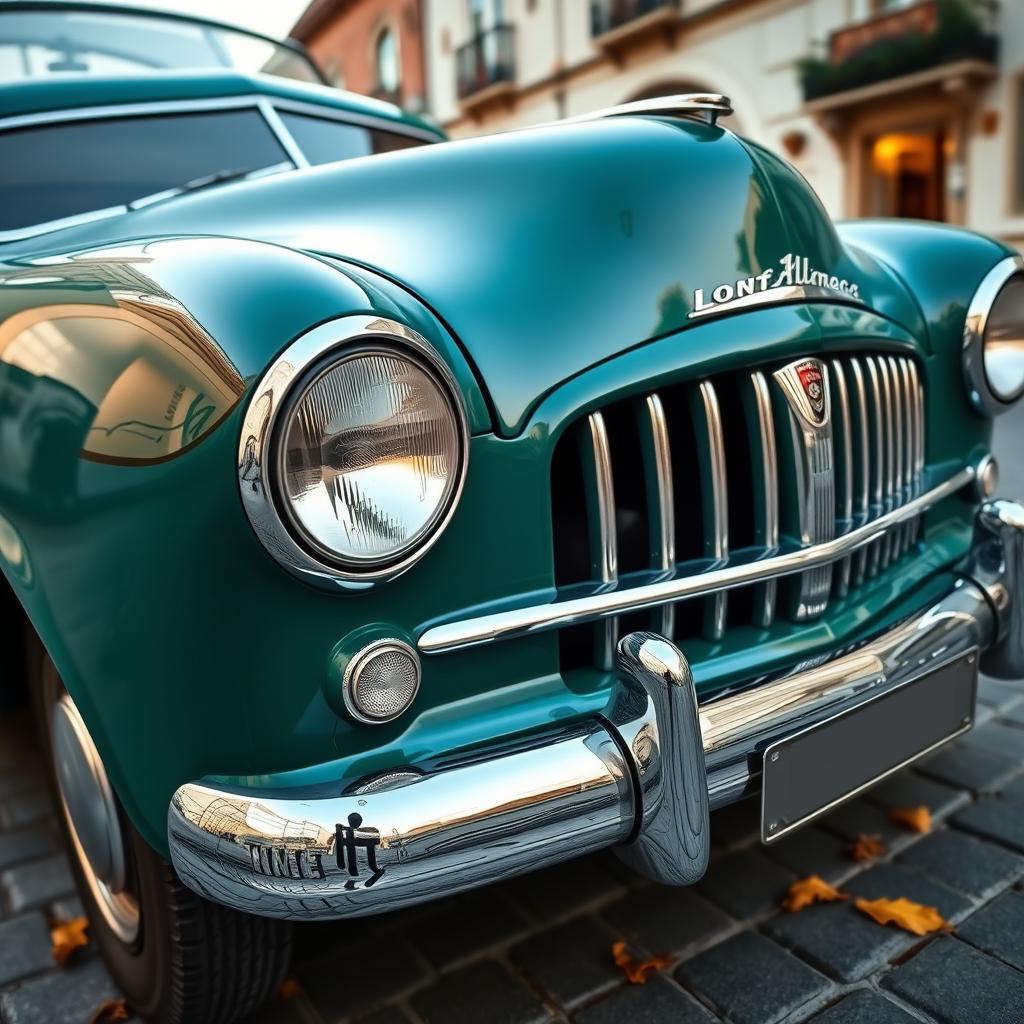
(889, 107)
(373, 47)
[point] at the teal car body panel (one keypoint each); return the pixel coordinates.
(554, 271)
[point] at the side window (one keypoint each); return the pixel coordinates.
(324, 141)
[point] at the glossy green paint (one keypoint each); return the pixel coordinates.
(554, 272)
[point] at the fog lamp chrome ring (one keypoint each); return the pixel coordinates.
(259, 468)
(381, 681)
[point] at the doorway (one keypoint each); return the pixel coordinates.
(906, 174)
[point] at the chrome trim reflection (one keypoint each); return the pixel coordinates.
(639, 774)
(764, 600)
(255, 446)
(488, 628)
(714, 494)
(704, 106)
(844, 452)
(859, 403)
(600, 497)
(982, 397)
(661, 497)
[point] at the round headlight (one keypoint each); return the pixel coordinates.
(994, 338)
(1004, 342)
(353, 452)
(369, 458)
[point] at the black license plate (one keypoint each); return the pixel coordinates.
(810, 772)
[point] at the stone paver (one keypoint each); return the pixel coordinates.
(964, 862)
(570, 980)
(958, 985)
(713, 976)
(539, 948)
(70, 996)
(746, 883)
(995, 818)
(38, 883)
(657, 1002)
(999, 929)
(24, 947)
(485, 991)
(664, 920)
(864, 1007)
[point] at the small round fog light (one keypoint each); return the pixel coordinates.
(987, 479)
(381, 681)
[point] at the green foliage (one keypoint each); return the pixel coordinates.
(960, 35)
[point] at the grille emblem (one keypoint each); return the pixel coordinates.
(810, 471)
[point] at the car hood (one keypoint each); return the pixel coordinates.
(549, 250)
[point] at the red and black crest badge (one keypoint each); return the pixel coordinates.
(812, 381)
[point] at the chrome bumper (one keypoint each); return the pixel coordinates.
(640, 777)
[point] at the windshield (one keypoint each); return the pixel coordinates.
(51, 172)
(47, 44)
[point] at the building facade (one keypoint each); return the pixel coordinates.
(889, 107)
(374, 47)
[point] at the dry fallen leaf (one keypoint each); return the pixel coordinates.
(638, 971)
(290, 988)
(917, 818)
(914, 917)
(805, 891)
(66, 937)
(110, 1012)
(867, 847)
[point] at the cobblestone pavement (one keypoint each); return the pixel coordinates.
(538, 948)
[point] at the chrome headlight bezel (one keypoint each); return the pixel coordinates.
(983, 397)
(259, 471)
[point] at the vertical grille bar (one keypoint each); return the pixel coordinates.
(761, 427)
(919, 452)
(889, 476)
(843, 444)
(909, 447)
(876, 412)
(657, 457)
(899, 440)
(708, 421)
(600, 498)
(859, 416)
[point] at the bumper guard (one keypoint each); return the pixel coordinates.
(640, 777)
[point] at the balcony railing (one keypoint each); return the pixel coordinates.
(611, 15)
(487, 60)
(904, 41)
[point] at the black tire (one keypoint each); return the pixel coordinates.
(192, 961)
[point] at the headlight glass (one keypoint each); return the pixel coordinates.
(1004, 342)
(370, 459)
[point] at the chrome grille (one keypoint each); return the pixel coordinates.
(677, 480)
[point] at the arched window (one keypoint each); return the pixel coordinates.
(389, 76)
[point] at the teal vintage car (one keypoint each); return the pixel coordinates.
(384, 517)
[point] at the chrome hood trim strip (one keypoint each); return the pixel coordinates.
(485, 629)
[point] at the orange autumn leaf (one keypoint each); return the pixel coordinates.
(638, 971)
(917, 818)
(913, 917)
(110, 1012)
(290, 988)
(66, 937)
(867, 847)
(805, 891)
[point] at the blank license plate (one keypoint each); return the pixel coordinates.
(808, 773)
